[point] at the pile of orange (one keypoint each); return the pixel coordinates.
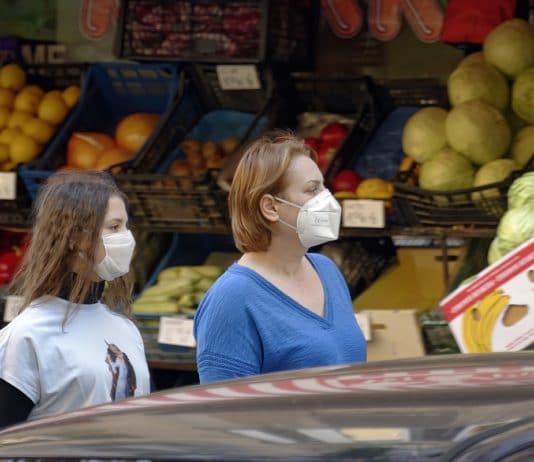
(29, 116)
(99, 151)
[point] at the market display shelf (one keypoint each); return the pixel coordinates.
(422, 231)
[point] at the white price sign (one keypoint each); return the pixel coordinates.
(12, 307)
(238, 77)
(8, 186)
(176, 331)
(364, 321)
(362, 213)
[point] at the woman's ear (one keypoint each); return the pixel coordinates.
(269, 207)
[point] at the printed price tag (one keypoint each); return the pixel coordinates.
(238, 77)
(176, 331)
(12, 307)
(364, 321)
(8, 186)
(359, 213)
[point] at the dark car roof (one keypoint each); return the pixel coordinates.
(401, 410)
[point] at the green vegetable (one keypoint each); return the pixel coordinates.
(517, 225)
(521, 191)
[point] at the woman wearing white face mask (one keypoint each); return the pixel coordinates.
(279, 307)
(54, 356)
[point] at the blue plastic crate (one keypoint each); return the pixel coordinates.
(216, 126)
(110, 92)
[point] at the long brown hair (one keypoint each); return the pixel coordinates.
(68, 218)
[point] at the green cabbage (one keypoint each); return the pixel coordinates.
(498, 249)
(517, 224)
(521, 191)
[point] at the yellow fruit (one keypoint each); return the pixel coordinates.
(27, 101)
(33, 89)
(23, 149)
(4, 153)
(53, 110)
(18, 119)
(374, 188)
(7, 135)
(12, 77)
(6, 98)
(54, 94)
(39, 130)
(5, 113)
(71, 95)
(345, 195)
(7, 166)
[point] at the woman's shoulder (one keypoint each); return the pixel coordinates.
(321, 260)
(232, 282)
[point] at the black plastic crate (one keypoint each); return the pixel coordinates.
(479, 207)
(164, 201)
(193, 30)
(353, 97)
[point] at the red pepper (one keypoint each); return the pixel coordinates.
(334, 133)
(346, 180)
(314, 143)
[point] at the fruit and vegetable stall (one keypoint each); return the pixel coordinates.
(436, 160)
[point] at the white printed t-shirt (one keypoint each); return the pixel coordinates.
(96, 357)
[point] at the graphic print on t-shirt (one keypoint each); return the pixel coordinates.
(123, 380)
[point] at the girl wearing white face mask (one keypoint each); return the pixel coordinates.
(279, 307)
(54, 356)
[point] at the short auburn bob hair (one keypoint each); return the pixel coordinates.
(260, 171)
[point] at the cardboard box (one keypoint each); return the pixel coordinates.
(394, 334)
(495, 311)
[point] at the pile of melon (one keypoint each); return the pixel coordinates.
(489, 130)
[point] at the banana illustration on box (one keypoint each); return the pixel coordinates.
(178, 290)
(479, 321)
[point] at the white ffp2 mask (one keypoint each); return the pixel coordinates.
(318, 219)
(119, 249)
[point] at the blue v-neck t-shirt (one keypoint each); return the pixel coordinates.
(246, 326)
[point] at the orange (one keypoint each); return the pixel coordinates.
(112, 157)
(7, 135)
(132, 131)
(85, 148)
(17, 119)
(53, 110)
(27, 101)
(39, 130)
(5, 113)
(33, 89)
(23, 149)
(7, 97)
(54, 93)
(71, 95)
(8, 166)
(4, 153)
(12, 77)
